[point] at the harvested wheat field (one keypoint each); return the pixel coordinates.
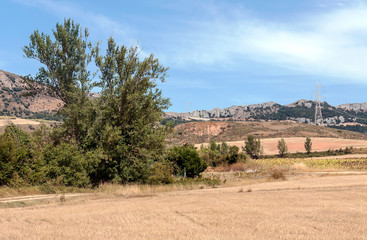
(318, 144)
(296, 144)
(332, 207)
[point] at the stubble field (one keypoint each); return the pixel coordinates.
(331, 207)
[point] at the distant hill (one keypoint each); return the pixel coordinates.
(200, 132)
(346, 116)
(15, 100)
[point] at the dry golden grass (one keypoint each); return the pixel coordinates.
(17, 121)
(332, 207)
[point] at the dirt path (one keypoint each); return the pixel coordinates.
(40, 197)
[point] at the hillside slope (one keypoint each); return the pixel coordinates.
(199, 132)
(14, 100)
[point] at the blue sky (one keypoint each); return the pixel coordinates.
(220, 53)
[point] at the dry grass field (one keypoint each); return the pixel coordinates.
(331, 207)
(16, 121)
(296, 144)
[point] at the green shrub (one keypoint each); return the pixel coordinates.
(66, 165)
(187, 161)
(7, 159)
(161, 173)
(221, 154)
(20, 161)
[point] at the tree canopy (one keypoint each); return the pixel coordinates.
(282, 147)
(253, 147)
(122, 127)
(308, 145)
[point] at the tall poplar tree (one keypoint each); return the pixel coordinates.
(131, 108)
(65, 56)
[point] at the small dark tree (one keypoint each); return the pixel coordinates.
(253, 147)
(308, 145)
(282, 148)
(224, 148)
(186, 160)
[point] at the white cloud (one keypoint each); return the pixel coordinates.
(332, 44)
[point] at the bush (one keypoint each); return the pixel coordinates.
(66, 165)
(20, 161)
(7, 159)
(221, 154)
(186, 161)
(277, 173)
(161, 173)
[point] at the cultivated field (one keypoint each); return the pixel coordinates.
(16, 121)
(332, 207)
(296, 144)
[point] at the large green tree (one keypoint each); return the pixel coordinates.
(65, 56)
(130, 109)
(122, 128)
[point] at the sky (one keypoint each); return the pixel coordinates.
(219, 53)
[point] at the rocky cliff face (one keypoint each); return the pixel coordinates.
(236, 112)
(355, 107)
(299, 111)
(301, 103)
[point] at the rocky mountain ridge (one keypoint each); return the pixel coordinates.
(299, 111)
(14, 101)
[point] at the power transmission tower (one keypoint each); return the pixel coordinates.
(318, 113)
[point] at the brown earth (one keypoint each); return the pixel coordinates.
(199, 132)
(331, 207)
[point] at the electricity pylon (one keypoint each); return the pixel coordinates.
(318, 113)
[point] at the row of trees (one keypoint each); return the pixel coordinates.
(254, 149)
(37, 159)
